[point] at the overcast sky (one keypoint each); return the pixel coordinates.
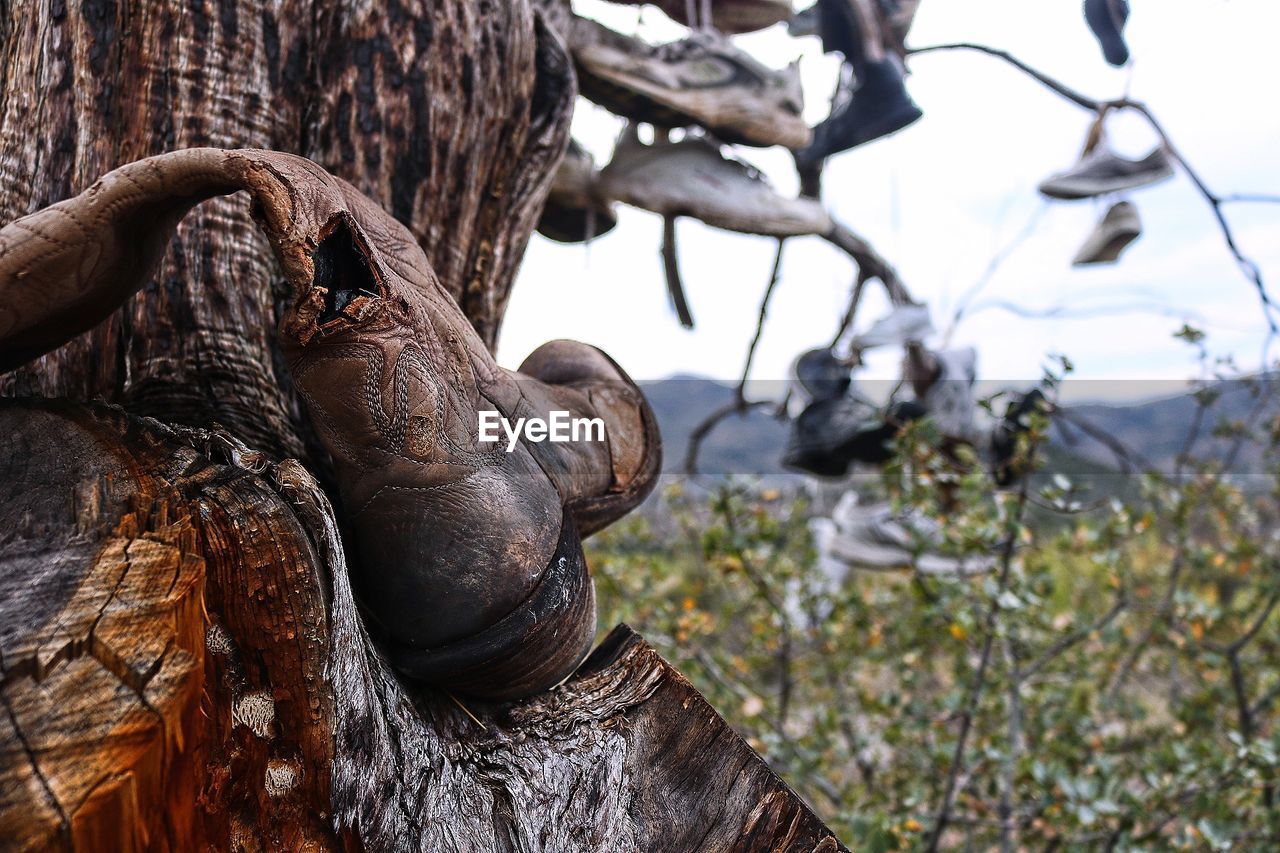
(945, 196)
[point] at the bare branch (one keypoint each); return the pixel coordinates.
(1247, 265)
(739, 404)
(870, 263)
(702, 430)
(1075, 97)
(1128, 458)
(764, 315)
(1250, 198)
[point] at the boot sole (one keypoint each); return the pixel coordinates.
(540, 643)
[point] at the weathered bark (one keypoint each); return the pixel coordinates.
(134, 719)
(451, 115)
(121, 541)
(182, 660)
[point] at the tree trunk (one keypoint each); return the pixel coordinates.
(182, 661)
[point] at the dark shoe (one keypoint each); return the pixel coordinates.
(873, 444)
(701, 80)
(1004, 438)
(821, 431)
(1107, 19)
(575, 211)
(841, 32)
(822, 375)
(831, 434)
(1111, 236)
(466, 557)
(879, 107)
(1101, 172)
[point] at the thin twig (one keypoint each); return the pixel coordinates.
(1076, 637)
(702, 430)
(741, 394)
(1060, 88)
(1247, 264)
(851, 313)
(739, 405)
(1250, 198)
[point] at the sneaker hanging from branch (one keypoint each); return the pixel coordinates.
(701, 80)
(879, 104)
(1117, 229)
(1101, 171)
(693, 178)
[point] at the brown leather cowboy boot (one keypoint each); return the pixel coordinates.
(467, 551)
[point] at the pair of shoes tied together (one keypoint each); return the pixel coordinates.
(466, 557)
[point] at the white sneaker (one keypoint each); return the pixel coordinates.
(903, 325)
(872, 537)
(1111, 236)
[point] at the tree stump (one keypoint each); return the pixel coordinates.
(183, 665)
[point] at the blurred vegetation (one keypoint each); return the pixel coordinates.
(1113, 684)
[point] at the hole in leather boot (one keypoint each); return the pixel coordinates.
(343, 269)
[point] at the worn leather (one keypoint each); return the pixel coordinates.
(452, 537)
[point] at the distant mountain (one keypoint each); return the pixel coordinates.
(748, 444)
(1157, 429)
(1154, 430)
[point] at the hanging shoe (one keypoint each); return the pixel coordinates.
(900, 20)
(821, 375)
(1111, 236)
(466, 555)
(1004, 438)
(575, 212)
(1107, 19)
(701, 80)
(874, 537)
(833, 433)
(879, 107)
(1100, 171)
(949, 399)
(905, 324)
(816, 444)
(692, 178)
(731, 17)
(874, 443)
